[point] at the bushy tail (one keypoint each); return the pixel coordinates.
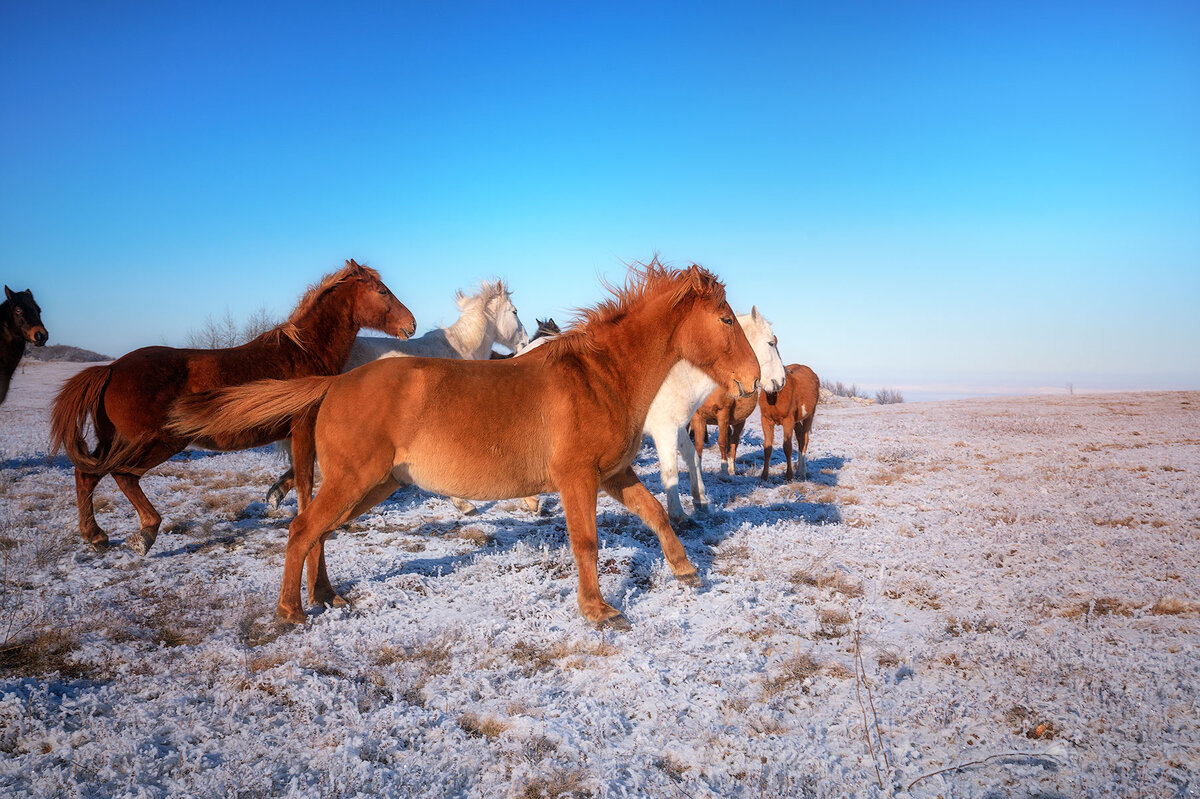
(232, 411)
(78, 401)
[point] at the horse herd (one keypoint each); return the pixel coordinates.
(662, 355)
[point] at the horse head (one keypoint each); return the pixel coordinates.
(375, 306)
(509, 330)
(766, 348)
(710, 338)
(27, 315)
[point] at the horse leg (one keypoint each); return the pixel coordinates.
(768, 446)
(141, 541)
(788, 428)
(626, 488)
(699, 436)
(723, 418)
(531, 504)
(695, 477)
(346, 487)
(735, 438)
(278, 491)
(668, 464)
(802, 444)
(89, 528)
(320, 590)
(578, 496)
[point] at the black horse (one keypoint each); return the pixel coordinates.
(20, 322)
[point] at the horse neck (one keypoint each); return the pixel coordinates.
(473, 335)
(327, 330)
(642, 336)
(12, 343)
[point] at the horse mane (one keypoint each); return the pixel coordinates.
(312, 297)
(642, 280)
(488, 291)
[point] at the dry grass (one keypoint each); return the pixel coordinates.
(475, 536)
(531, 658)
(796, 670)
(482, 726)
(832, 623)
(42, 651)
(1102, 606)
(835, 581)
(560, 782)
(1174, 606)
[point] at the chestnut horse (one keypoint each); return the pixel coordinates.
(793, 407)
(463, 428)
(128, 399)
(729, 414)
(488, 316)
(20, 322)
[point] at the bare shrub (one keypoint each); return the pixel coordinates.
(888, 396)
(223, 331)
(840, 389)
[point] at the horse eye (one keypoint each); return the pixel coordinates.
(725, 320)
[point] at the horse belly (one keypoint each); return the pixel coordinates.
(471, 477)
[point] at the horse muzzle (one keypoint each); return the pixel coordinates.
(39, 336)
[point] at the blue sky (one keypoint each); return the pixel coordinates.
(936, 194)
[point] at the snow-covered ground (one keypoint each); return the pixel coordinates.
(1008, 586)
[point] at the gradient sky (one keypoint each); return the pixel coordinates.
(933, 194)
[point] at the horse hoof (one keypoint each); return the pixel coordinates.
(291, 616)
(703, 509)
(100, 546)
(274, 497)
(141, 541)
(334, 601)
(465, 507)
(685, 523)
(618, 623)
(691, 579)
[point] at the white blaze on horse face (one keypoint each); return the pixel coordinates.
(762, 340)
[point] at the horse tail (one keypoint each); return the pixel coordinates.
(235, 410)
(78, 401)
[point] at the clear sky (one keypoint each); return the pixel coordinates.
(916, 194)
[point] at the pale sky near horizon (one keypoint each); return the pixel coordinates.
(945, 194)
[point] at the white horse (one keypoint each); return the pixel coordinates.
(488, 317)
(685, 390)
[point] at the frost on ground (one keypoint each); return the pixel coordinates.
(993, 597)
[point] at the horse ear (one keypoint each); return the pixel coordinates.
(697, 278)
(8, 292)
(352, 264)
(754, 313)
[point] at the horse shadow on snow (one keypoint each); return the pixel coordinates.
(627, 546)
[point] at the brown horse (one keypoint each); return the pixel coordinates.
(729, 414)
(20, 322)
(128, 400)
(465, 428)
(793, 407)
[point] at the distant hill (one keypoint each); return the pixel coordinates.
(63, 352)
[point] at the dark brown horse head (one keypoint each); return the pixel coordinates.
(375, 306)
(546, 327)
(26, 316)
(710, 338)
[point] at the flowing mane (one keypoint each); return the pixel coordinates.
(311, 298)
(642, 280)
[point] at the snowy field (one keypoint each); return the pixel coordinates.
(988, 598)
